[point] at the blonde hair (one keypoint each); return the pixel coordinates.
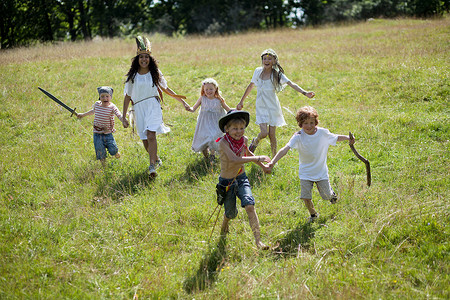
(213, 82)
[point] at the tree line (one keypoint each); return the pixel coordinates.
(24, 22)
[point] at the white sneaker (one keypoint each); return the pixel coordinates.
(158, 163)
(152, 171)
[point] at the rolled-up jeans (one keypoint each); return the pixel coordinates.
(102, 142)
(241, 188)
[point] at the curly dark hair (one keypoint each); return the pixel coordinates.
(153, 67)
(304, 113)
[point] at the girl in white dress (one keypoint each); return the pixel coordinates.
(143, 88)
(269, 79)
(213, 107)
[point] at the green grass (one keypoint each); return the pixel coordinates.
(72, 229)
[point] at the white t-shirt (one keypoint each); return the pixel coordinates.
(313, 151)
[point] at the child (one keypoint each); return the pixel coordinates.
(233, 155)
(104, 111)
(213, 107)
(143, 88)
(269, 79)
(312, 143)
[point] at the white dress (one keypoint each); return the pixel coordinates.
(207, 129)
(268, 108)
(147, 109)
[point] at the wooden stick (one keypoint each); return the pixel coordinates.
(363, 159)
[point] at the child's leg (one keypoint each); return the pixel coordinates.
(151, 146)
(99, 146)
(225, 228)
(273, 140)
(310, 206)
(111, 144)
(261, 135)
(254, 225)
(306, 195)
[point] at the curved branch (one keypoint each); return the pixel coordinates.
(363, 159)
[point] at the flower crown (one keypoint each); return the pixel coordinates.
(143, 45)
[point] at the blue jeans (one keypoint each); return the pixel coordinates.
(240, 188)
(103, 142)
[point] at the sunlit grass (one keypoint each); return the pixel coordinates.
(72, 229)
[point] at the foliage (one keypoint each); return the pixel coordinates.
(25, 22)
(72, 229)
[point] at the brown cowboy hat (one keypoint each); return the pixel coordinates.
(234, 114)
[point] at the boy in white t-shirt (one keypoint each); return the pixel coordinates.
(312, 143)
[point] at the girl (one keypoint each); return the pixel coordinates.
(143, 88)
(269, 79)
(213, 107)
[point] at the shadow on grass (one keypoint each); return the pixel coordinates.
(127, 185)
(209, 268)
(255, 175)
(199, 168)
(298, 239)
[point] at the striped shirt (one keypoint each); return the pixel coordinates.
(104, 117)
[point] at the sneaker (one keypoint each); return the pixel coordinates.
(312, 218)
(117, 155)
(152, 171)
(252, 146)
(262, 246)
(333, 199)
(158, 163)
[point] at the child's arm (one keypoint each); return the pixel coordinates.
(196, 105)
(224, 104)
(265, 167)
(118, 114)
(126, 102)
(232, 157)
(300, 90)
(81, 115)
(282, 152)
(170, 92)
(346, 138)
(247, 91)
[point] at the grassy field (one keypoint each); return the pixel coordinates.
(71, 229)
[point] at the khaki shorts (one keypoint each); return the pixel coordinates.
(324, 187)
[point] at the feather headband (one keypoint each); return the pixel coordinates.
(143, 45)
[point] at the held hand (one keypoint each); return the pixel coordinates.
(125, 123)
(79, 116)
(266, 169)
(351, 140)
(310, 94)
(189, 109)
(265, 158)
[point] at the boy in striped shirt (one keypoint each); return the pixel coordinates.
(104, 111)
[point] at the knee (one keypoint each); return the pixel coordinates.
(151, 135)
(263, 134)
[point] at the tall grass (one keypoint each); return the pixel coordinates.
(70, 228)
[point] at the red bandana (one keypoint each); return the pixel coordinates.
(236, 146)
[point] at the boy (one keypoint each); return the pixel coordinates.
(233, 155)
(312, 143)
(104, 112)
